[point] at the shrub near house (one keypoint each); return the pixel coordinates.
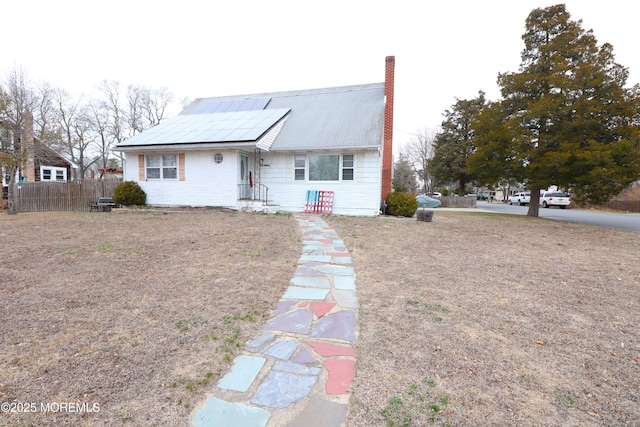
(401, 204)
(129, 193)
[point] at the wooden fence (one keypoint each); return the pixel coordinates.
(457, 202)
(61, 196)
(624, 205)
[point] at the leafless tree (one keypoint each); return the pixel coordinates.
(418, 152)
(77, 131)
(45, 114)
(66, 111)
(99, 116)
(113, 103)
(17, 99)
(147, 107)
(134, 114)
(155, 104)
(83, 141)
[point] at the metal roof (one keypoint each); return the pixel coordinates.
(346, 117)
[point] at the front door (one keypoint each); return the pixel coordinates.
(245, 191)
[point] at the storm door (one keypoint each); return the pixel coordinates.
(245, 190)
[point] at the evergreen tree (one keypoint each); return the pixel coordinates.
(455, 142)
(404, 178)
(566, 117)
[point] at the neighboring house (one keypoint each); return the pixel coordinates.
(42, 162)
(109, 174)
(267, 151)
(46, 165)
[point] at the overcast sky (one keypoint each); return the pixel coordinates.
(444, 49)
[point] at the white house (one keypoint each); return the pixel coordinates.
(271, 151)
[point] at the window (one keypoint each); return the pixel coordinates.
(162, 166)
(50, 173)
(324, 167)
(347, 167)
(300, 164)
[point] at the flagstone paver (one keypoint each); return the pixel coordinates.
(341, 372)
(279, 380)
(244, 371)
(218, 413)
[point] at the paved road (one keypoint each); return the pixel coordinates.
(625, 221)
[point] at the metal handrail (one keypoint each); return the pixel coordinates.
(256, 192)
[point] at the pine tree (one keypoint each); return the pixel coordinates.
(566, 117)
(404, 178)
(456, 142)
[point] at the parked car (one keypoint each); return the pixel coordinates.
(554, 198)
(522, 198)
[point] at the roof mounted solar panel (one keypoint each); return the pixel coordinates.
(236, 126)
(204, 106)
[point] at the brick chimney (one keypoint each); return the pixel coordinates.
(387, 147)
(28, 141)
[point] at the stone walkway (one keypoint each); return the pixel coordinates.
(298, 371)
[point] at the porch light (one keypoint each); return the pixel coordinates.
(217, 158)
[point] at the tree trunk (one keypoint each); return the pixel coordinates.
(461, 186)
(534, 201)
(11, 197)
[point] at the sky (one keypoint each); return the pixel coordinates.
(444, 50)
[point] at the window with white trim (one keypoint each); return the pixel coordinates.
(161, 166)
(347, 167)
(324, 167)
(52, 173)
(300, 167)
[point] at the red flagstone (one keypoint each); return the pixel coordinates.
(338, 253)
(341, 372)
(303, 304)
(326, 349)
(322, 308)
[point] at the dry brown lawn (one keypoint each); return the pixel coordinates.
(472, 319)
(139, 312)
(494, 320)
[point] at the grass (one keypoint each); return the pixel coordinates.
(537, 319)
(114, 309)
(428, 309)
(520, 321)
(566, 401)
(72, 251)
(135, 250)
(418, 402)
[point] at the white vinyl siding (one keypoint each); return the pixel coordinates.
(207, 183)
